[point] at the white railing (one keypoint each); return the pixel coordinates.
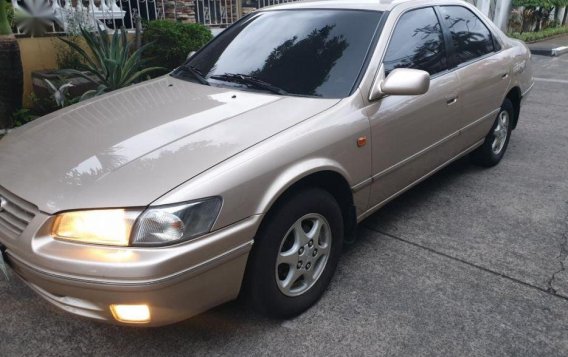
(225, 12)
(265, 3)
(66, 16)
(216, 12)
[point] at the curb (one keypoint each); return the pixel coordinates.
(559, 51)
(551, 52)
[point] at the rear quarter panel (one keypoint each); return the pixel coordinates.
(521, 67)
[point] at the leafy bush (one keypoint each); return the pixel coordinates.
(170, 42)
(9, 13)
(536, 14)
(540, 35)
(22, 116)
(39, 107)
(67, 57)
(114, 64)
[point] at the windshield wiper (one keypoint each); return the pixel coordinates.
(194, 71)
(250, 81)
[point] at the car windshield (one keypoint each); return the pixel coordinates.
(295, 52)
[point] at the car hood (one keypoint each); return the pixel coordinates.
(128, 148)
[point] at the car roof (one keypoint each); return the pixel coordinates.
(375, 5)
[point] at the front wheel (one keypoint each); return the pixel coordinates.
(495, 145)
(295, 254)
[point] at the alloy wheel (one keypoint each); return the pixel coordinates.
(500, 133)
(303, 255)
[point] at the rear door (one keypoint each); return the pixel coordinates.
(482, 68)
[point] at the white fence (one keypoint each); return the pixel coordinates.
(216, 12)
(60, 16)
(66, 16)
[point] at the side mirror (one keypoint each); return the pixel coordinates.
(191, 54)
(402, 81)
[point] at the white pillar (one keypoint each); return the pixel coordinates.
(560, 14)
(502, 13)
(484, 6)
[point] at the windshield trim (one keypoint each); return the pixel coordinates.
(367, 58)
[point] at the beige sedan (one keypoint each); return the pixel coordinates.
(242, 171)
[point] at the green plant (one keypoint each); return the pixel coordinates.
(11, 71)
(22, 116)
(9, 13)
(536, 13)
(67, 57)
(540, 35)
(170, 42)
(59, 92)
(112, 65)
(41, 106)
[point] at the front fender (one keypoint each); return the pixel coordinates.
(294, 174)
(253, 180)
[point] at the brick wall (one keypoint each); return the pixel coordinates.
(183, 10)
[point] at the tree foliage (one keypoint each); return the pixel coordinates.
(540, 3)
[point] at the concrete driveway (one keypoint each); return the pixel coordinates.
(471, 262)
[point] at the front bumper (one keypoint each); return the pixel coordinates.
(175, 282)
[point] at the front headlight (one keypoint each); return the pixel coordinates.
(154, 226)
(171, 224)
(107, 227)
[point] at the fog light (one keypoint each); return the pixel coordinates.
(131, 313)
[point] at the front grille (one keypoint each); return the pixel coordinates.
(15, 214)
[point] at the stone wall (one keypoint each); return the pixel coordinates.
(182, 10)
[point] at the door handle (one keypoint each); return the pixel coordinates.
(451, 100)
(505, 76)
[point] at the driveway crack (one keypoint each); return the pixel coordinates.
(561, 256)
(487, 270)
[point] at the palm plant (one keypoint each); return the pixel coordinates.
(11, 72)
(113, 64)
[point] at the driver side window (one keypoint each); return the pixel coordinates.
(417, 43)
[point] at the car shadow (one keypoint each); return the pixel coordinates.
(418, 195)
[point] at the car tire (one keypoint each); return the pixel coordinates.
(496, 142)
(286, 274)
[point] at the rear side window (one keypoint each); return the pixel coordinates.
(417, 43)
(470, 36)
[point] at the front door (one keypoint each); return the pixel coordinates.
(413, 135)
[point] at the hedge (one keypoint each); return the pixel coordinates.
(540, 35)
(172, 42)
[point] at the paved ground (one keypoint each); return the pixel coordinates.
(546, 47)
(469, 263)
(561, 40)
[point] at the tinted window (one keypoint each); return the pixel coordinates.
(308, 52)
(470, 36)
(417, 43)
